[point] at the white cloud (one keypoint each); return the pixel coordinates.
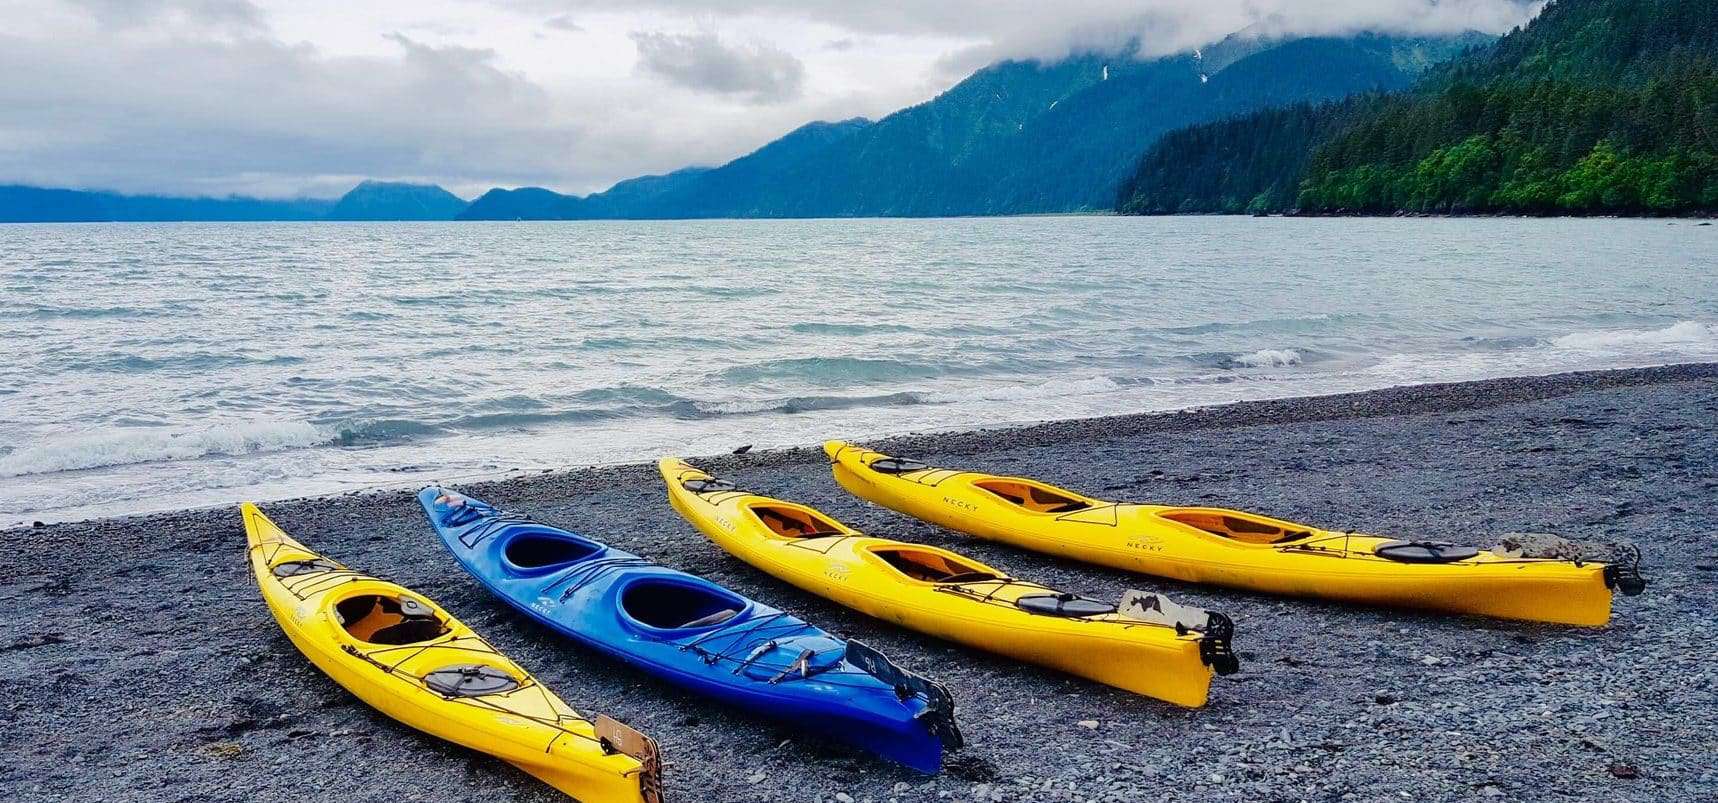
(563, 22)
(704, 63)
(1035, 29)
(217, 14)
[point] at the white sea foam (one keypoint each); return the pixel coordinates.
(1676, 335)
(118, 447)
(1269, 358)
(1044, 390)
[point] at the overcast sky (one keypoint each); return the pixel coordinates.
(306, 97)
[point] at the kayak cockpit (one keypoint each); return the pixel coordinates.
(1237, 526)
(393, 621)
(932, 566)
(537, 551)
(1032, 496)
(664, 604)
(793, 522)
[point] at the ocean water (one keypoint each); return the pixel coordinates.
(151, 367)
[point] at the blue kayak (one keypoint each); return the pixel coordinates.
(697, 634)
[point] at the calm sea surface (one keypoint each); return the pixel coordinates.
(162, 366)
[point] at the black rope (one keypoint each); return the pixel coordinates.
(494, 521)
(589, 571)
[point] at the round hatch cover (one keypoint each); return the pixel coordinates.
(470, 680)
(294, 568)
(1069, 605)
(708, 484)
(1424, 552)
(897, 465)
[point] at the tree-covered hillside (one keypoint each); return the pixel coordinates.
(1596, 107)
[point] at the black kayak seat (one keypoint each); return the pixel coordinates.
(714, 618)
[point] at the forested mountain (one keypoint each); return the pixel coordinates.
(390, 200)
(1015, 137)
(1596, 107)
(20, 204)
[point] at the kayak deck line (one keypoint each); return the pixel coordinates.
(1235, 548)
(410, 659)
(695, 633)
(954, 597)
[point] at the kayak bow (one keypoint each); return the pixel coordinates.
(408, 658)
(1238, 549)
(1145, 644)
(699, 635)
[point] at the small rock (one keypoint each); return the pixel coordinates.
(1625, 771)
(843, 797)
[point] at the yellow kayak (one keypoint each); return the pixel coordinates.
(1233, 548)
(1145, 644)
(409, 659)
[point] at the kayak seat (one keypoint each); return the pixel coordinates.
(789, 522)
(1034, 497)
(538, 550)
(932, 567)
(677, 606)
(713, 619)
(376, 619)
(1245, 529)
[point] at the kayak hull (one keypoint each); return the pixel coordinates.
(843, 565)
(1199, 545)
(526, 726)
(588, 599)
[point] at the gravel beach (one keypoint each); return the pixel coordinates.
(140, 664)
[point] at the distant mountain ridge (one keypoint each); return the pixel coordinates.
(1015, 137)
(370, 200)
(688, 192)
(393, 200)
(22, 204)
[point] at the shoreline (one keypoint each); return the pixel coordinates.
(163, 677)
(1700, 215)
(1395, 400)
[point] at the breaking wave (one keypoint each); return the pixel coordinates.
(117, 447)
(1680, 334)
